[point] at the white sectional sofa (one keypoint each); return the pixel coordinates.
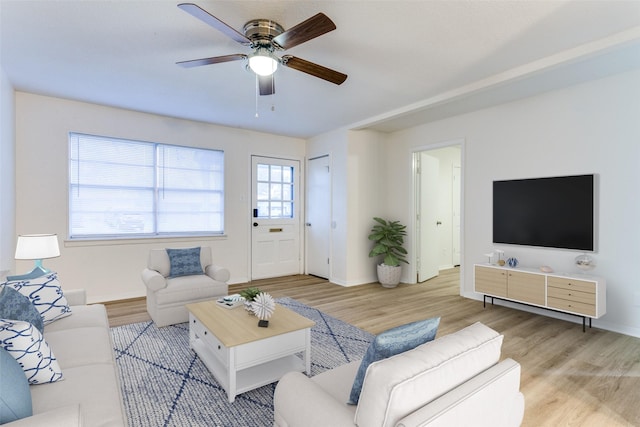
(455, 380)
(89, 394)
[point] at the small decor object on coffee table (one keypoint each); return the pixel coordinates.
(263, 306)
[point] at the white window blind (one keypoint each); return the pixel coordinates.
(122, 188)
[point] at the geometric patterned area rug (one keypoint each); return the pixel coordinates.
(165, 384)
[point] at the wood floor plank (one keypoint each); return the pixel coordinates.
(569, 378)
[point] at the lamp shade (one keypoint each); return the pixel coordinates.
(37, 246)
(263, 63)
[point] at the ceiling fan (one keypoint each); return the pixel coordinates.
(265, 37)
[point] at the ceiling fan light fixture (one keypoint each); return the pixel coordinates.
(263, 63)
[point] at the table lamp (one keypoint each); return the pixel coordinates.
(36, 247)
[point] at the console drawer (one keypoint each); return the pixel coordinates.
(566, 283)
(572, 306)
(572, 295)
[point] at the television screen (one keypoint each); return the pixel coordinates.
(555, 212)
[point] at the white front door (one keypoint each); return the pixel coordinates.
(428, 236)
(275, 228)
(318, 212)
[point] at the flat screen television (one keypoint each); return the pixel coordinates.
(555, 212)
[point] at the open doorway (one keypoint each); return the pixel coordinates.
(437, 177)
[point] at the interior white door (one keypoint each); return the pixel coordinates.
(455, 242)
(275, 228)
(428, 238)
(318, 213)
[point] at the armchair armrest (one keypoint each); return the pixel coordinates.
(153, 280)
(217, 273)
(300, 402)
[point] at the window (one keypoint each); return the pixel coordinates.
(274, 191)
(120, 188)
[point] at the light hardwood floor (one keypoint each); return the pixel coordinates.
(569, 378)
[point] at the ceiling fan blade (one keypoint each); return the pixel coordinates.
(211, 20)
(314, 69)
(212, 60)
(266, 85)
(313, 27)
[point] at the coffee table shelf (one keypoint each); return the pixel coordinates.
(241, 355)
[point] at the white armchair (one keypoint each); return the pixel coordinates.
(167, 295)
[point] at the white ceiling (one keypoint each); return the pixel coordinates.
(407, 61)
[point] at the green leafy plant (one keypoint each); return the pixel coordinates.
(389, 238)
(250, 293)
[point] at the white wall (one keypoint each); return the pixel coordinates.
(111, 270)
(356, 190)
(588, 128)
(7, 176)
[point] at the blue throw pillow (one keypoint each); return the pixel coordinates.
(45, 293)
(15, 397)
(391, 342)
(184, 262)
(14, 305)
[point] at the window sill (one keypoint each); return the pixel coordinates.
(113, 241)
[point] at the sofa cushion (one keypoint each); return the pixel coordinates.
(15, 306)
(391, 342)
(27, 345)
(15, 398)
(94, 388)
(46, 295)
(397, 386)
(184, 262)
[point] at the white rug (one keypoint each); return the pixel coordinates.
(165, 384)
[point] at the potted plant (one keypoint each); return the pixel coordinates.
(249, 295)
(388, 237)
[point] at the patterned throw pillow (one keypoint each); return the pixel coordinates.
(391, 342)
(14, 305)
(184, 262)
(15, 396)
(45, 294)
(27, 346)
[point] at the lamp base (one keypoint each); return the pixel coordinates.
(39, 271)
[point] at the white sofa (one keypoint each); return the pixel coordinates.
(455, 380)
(167, 297)
(89, 393)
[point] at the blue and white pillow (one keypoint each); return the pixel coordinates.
(28, 347)
(14, 305)
(391, 342)
(45, 294)
(184, 262)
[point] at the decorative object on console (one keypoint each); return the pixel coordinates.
(512, 262)
(500, 253)
(546, 269)
(263, 307)
(490, 256)
(36, 247)
(585, 262)
(388, 237)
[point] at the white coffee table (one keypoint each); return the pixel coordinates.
(243, 356)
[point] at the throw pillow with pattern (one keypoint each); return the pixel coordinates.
(14, 305)
(45, 294)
